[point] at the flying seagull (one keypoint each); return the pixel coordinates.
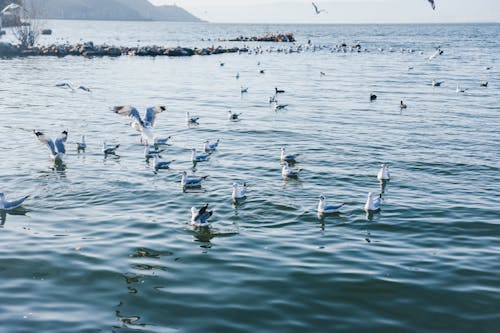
(200, 217)
(317, 10)
(144, 126)
(57, 149)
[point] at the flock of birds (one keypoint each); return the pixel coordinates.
(318, 11)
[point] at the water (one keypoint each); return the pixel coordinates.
(105, 245)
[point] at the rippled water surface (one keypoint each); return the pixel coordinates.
(105, 244)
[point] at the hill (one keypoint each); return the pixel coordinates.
(126, 10)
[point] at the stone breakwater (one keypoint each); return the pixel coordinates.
(90, 50)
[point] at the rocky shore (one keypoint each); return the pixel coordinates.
(90, 50)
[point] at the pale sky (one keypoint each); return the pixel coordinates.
(340, 11)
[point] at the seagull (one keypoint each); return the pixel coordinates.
(210, 147)
(384, 173)
(488, 68)
(144, 126)
(187, 181)
(373, 202)
(324, 209)
(278, 91)
(57, 149)
(109, 150)
(278, 107)
(460, 89)
(322, 74)
(198, 158)
(244, 89)
(435, 54)
(373, 97)
(239, 191)
(159, 164)
(151, 153)
(81, 145)
(200, 217)
(65, 85)
(233, 116)
(288, 172)
(288, 157)
(437, 83)
(162, 141)
(402, 105)
(484, 84)
(237, 75)
(262, 71)
(191, 120)
(221, 64)
(273, 99)
(410, 68)
(433, 5)
(317, 10)
(84, 89)
(10, 205)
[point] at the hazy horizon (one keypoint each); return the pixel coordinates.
(341, 11)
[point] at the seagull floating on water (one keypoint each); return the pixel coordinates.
(159, 164)
(384, 173)
(210, 147)
(322, 74)
(437, 83)
(84, 88)
(402, 105)
(288, 172)
(288, 157)
(81, 145)
(198, 157)
(200, 217)
(317, 10)
(244, 89)
(144, 126)
(373, 202)
(191, 181)
(109, 150)
(239, 191)
(10, 205)
(57, 149)
(460, 89)
(232, 116)
(162, 141)
(373, 97)
(330, 209)
(191, 120)
(152, 152)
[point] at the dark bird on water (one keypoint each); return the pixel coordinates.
(373, 97)
(279, 91)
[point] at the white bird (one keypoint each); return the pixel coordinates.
(435, 54)
(144, 126)
(317, 10)
(198, 157)
(200, 217)
(373, 202)
(232, 116)
(210, 147)
(151, 152)
(57, 149)
(402, 105)
(109, 150)
(191, 181)
(239, 191)
(159, 164)
(288, 172)
(288, 157)
(191, 120)
(330, 209)
(10, 205)
(278, 107)
(81, 145)
(162, 141)
(384, 173)
(437, 83)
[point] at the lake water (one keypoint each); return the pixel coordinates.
(105, 245)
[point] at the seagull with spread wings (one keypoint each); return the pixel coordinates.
(317, 10)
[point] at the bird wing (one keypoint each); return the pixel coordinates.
(60, 143)
(433, 5)
(151, 112)
(46, 140)
(315, 7)
(131, 112)
(9, 205)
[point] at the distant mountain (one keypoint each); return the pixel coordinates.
(126, 10)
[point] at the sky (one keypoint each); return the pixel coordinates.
(340, 11)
